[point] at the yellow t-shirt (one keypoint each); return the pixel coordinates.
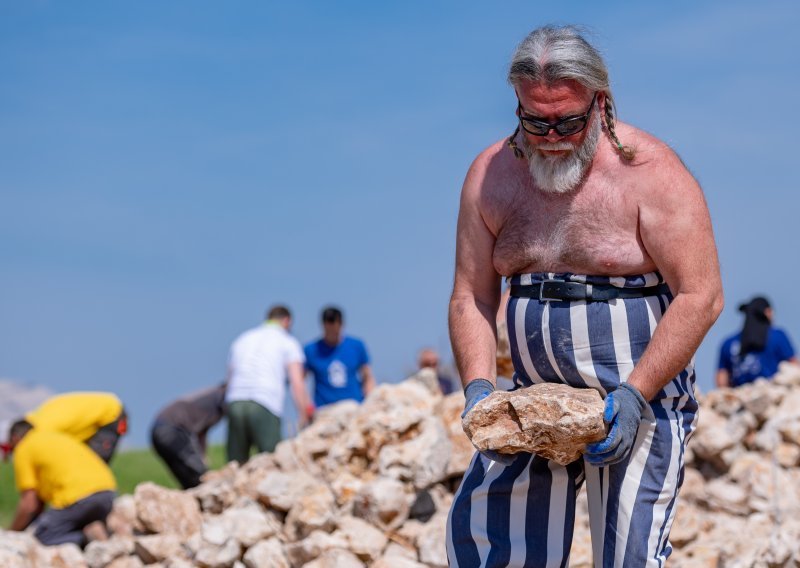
(79, 414)
(59, 468)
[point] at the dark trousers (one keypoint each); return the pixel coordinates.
(104, 441)
(250, 424)
(181, 451)
(60, 526)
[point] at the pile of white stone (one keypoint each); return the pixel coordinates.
(740, 501)
(366, 485)
(371, 485)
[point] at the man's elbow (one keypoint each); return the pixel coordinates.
(716, 304)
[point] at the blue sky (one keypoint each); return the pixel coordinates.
(168, 170)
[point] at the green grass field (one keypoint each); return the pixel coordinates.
(130, 468)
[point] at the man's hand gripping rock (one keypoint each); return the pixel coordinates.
(475, 391)
(623, 413)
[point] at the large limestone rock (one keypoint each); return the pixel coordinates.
(101, 553)
(363, 539)
(166, 511)
(336, 558)
(551, 420)
(422, 460)
(384, 503)
(154, 548)
(266, 554)
(315, 510)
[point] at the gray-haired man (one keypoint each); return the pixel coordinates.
(614, 280)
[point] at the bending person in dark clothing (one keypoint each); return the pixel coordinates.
(179, 433)
(757, 350)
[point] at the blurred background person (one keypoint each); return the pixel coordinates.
(96, 418)
(180, 430)
(54, 468)
(429, 359)
(338, 364)
(756, 350)
(259, 363)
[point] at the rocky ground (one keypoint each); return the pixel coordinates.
(371, 485)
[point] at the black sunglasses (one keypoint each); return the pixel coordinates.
(564, 127)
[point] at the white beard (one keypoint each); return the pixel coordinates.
(562, 174)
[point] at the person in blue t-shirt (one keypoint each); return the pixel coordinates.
(755, 351)
(339, 364)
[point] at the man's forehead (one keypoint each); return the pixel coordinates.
(560, 92)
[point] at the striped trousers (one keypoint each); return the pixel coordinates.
(523, 514)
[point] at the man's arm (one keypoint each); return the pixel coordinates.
(367, 379)
(29, 507)
(297, 384)
(676, 231)
(723, 378)
(476, 286)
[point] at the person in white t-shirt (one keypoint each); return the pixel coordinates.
(260, 361)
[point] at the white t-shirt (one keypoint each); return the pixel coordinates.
(257, 362)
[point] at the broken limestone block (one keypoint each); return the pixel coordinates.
(554, 421)
(266, 554)
(100, 553)
(154, 548)
(336, 558)
(167, 511)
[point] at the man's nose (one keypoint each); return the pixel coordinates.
(553, 136)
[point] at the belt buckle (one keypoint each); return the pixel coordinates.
(542, 297)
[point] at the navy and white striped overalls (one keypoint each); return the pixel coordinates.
(523, 514)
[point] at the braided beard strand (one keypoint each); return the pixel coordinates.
(557, 174)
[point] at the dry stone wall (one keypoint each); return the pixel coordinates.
(371, 485)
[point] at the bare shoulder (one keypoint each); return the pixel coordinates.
(488, 164)
(491, 183)
(656, 162)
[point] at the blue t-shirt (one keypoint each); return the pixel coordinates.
(755, 364)
(335, 369)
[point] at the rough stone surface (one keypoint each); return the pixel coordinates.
(313, 511)
(266, 554)
(164, 510)
(422, 460)
(384, 502)
(100, 553)
(363, 539)
(313, 546)
(281, 490)
(336, 558)
(59, 556)
(158, 547)
(123, 520)
(551, 420)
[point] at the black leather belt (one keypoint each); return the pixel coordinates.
(575, 291)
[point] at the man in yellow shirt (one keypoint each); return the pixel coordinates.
(95, 418)
(55, 469)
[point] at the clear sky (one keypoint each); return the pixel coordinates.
(169, 169)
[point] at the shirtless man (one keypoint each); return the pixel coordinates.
(599, 228)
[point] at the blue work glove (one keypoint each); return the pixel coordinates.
(623, 412)
(475, 391)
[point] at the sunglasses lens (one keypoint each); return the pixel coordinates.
(536, 128)
(570, 127)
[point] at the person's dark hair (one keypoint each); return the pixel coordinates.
(332, 314)
(756, 325)
(18, 429)
(278, 312)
